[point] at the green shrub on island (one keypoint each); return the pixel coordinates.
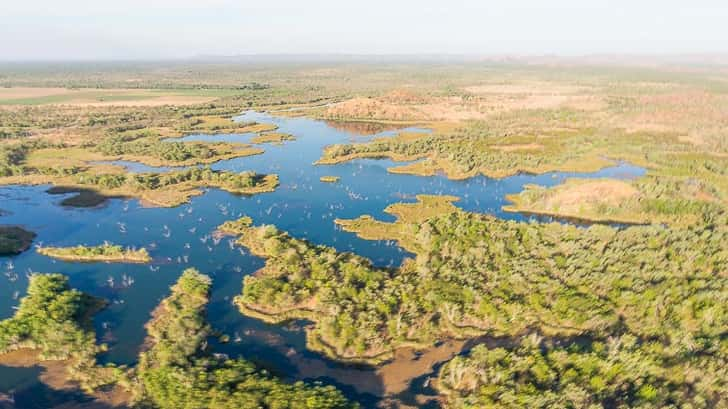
(176, 371)
(620, 372)
(53, 319)
(203, 176)
(169, 151)
(106, 252)
(476, 275)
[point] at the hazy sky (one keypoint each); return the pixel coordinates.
(107, 29)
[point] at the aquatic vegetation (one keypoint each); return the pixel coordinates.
(14, 240)
(175, 371)
(106, 252)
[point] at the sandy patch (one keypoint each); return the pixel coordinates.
(96, 97)
(148, 102)
(28, 92)
(55, 375)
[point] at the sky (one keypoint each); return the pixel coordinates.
(160, 29)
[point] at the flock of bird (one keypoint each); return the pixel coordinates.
(298, 198)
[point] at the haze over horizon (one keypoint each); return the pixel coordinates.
(82, 29)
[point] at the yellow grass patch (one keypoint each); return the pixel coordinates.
(96, 97)
(518, 147)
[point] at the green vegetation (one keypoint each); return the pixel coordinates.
(173, 188)
(619, 372)
(55, 320)
(576, 317)
(14, 240)
(330, 179)
(106, 252)
(167, 189)
(483, 147)
(674, 200)
(60, 144)
(175, 372)
(175, 153)
(475, 275)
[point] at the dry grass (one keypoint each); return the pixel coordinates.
(28, 92)
(92, 97)
(518, 147)
(600, 199)
(571, 197)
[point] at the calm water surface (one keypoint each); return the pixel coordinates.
(180, 237)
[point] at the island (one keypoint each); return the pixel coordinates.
(53, 328)
(53, 324)
(276, 138)
(330, 179)
(175, 368)
(107, 252)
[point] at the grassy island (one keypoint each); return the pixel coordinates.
(58, 145)
(52, 318)
(159, 189)
(329, 179)
(53, 323)
(106, 252)
(14, 240)
(155, 152)
(175, 370)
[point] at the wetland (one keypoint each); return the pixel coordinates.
(354, 244)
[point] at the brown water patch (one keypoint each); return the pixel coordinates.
(83, 197)
(365, 128)
(53, 388)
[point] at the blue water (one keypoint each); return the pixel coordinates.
(178, 238)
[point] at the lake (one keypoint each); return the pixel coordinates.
(181, 237)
